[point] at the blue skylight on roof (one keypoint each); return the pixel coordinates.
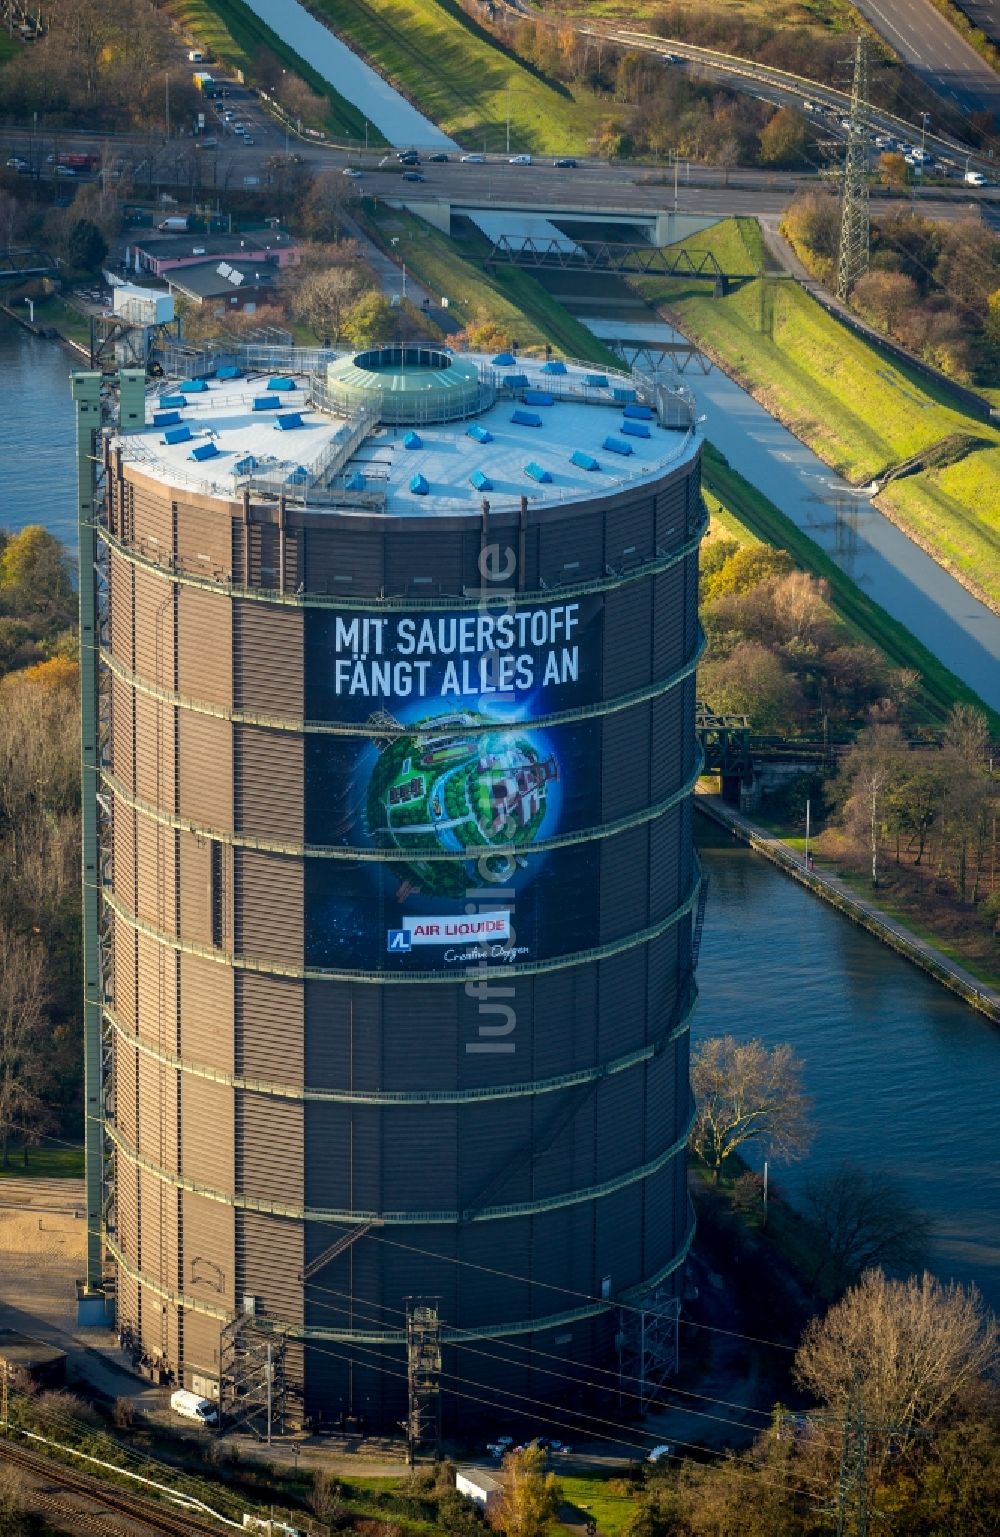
(538, 397)
(355, 481)
(480, 434)
(616, 446)
(635, 429)
(413, 440)
(229, 372)
(177, 434)
(525, 418)
(207, 450)
(514, 381)
(554, 366)
(193, 386)
(298, 477)
(418, 485)
(619, 393)
(266, 402)
(535, 472)
(583, 461)
(170, 401)
(166, 418)
(281, 384)
(288, 421)
(245, 466)
(638, 413)
(596, 381)
(504, 360)
(480, 481)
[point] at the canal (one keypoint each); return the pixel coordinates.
(903, 1075)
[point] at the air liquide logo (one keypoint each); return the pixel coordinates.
(483, 927)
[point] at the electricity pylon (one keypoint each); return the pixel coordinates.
(854, 230)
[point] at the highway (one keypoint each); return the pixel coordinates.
(930, 45)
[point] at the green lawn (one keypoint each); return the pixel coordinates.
(458, 75)
(859, 412)
(45, 1163)
(589, 1494)
(227, 30)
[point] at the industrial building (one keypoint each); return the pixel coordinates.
(388, 722)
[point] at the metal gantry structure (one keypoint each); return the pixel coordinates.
(855, 242)
(604, 256)
(423, 1374)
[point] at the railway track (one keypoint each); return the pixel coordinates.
(149, 1516)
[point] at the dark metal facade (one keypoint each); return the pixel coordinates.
(324, 1143)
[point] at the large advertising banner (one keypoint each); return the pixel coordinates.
(454, 783)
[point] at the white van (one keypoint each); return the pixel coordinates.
(193, 1407)
(975, 179)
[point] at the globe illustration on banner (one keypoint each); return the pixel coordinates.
(446, 786)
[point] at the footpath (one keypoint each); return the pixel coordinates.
(835, 891)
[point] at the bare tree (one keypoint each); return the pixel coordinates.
(322, 298)
(748, 1092)
(23, 1015)
(869, 773)
(912, 1349)
(968, 732)
(864, 1218)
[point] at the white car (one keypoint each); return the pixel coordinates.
(353, 172)
(520, 160)
(474, 159)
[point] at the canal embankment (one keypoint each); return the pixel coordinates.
(860, 910)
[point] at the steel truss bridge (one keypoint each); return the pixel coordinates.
(19, 266)
(604, 256)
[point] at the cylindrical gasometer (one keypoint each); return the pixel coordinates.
(398, 758)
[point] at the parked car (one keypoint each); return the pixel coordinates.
(193, 1407)
(520, 159)
(65, 170)
(408, 157)
(473, 159)
(566, 163)
(15, 163)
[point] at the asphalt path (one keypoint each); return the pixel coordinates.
(930, 45)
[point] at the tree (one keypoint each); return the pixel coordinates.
(322, 205)
(784, 138)
(23, 1016)
(86, 247)
(35, 577)
(864, 1218)
(884, 298)
(968, 733)
(893, 170)
(328, 1502)
(913, 1349)
(868, 774)
(751, 681)
(745, 566)
(812, 221)
(529, 1497)
(369, 320)
(748, 1092)
(321, 299)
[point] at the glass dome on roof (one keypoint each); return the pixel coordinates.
(409, 384)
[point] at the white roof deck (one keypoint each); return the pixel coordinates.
(446, 458)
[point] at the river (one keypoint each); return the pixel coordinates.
(904, 1076)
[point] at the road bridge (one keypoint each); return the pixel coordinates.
(662, 226)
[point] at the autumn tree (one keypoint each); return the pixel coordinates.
(369, 320)
(884, 298)
(752, 680)
(912, 1349)
(322, 298)
(746, 1092)
(35, 577)
(893, 170)
(529, 1497)
(863, 1217)
(24, 1112)
(784, 139)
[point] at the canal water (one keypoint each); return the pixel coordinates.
(903, 1075)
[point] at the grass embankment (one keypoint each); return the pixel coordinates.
(754, 512)
(458, 75)
(230, 32)
(513, 300)
(861, 413)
